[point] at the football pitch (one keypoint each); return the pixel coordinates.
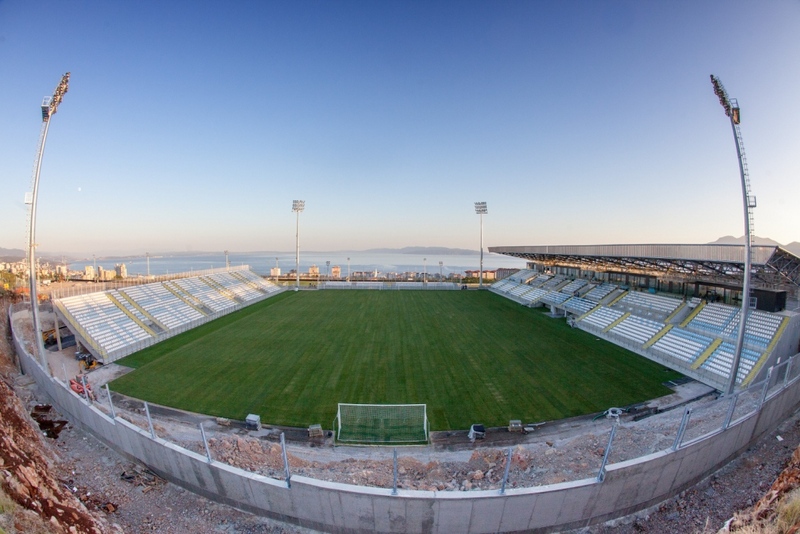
(471, 356)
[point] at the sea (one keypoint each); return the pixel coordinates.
(261, 262)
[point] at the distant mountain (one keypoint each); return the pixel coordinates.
(11, 254)
(793, 247)
(730, 240)
(440, 251)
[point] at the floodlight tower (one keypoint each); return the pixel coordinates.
(49, 107)
(731, 107)
(297, 207)
(480, 209)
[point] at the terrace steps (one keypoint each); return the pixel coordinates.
(188, 302)
(219, 287)
(706, 354)
(615, 323)
(143, 311)
(692, 315)
(656, 337)
(127, 312)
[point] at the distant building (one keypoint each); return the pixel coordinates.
(121, 270)
(275, 272)
(487, 275)
(106, 274)
(88, 272)
(505, 272)
(336, 271)
(313, 271)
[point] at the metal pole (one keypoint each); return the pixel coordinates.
(85, 389)
(601, 475)
(205, 443)
(731, 409)
(297, 250)
(681, 429)
(111, 403)
(737, 355)
(149, 420)
(394, 482)
(505, 475)
(285, 461)
(480, 281)
(788, 368)
(37, 327)
(766, 388)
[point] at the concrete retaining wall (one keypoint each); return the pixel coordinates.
(627, 487)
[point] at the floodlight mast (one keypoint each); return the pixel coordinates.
(297, 207)
(480, 209)
(731, 107)
(49, 107)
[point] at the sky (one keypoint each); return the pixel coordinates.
(192, 126)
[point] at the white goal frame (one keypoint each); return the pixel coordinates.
(382, 424)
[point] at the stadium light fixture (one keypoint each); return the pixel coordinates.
(480, 209)
(297, 207)
(424, 270)
(731, 107)
(441, 263)
(348, 269)
(49, 107)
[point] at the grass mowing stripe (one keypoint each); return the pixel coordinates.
(470, 356)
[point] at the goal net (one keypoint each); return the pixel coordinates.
(382, 423)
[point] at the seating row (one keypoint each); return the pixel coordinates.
(107, 317)
(637, 328)
(574, 286)
(650, 302)
(603, 316)
(682, 344)
(600, 292)
(579, 306)
(721, 360)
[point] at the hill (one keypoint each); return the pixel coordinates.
(730, 240)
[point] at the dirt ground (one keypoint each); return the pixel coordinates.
(126, 494)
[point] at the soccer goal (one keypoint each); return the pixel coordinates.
(382, 423)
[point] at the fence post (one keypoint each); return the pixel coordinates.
(731, 408)
(505, 475)
(205, 443)
(394, 482)
(149, 420)
(111, 405)
(601, 475)
(85, 389)
(681, 429)
(766, 389)
(788, 370)
(285, 461)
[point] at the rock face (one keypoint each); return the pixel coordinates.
(25, 462)
(765, 509)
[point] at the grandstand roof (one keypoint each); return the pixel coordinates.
(772, 265)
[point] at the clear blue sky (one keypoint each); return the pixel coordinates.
(193, 125)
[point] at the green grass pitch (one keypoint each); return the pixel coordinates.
(471, 356)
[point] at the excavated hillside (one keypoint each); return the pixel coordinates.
(32, 500)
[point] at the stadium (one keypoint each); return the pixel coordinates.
(670, 359)
(672, 308)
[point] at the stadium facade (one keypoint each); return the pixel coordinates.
(674, 304)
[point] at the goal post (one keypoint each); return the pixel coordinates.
(382, 423)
